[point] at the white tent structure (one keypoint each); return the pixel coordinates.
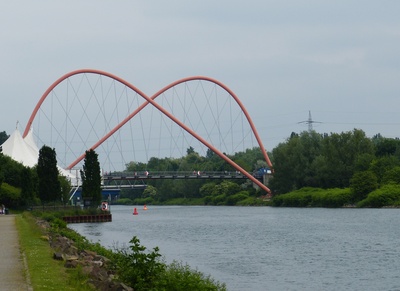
(26, 152)
(16, 148)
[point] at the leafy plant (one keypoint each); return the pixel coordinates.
(138, 268)
(180, 277)
(387, 195)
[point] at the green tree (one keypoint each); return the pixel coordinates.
(326, 161)
(47, 171)
(10, 196)
(392, 176)
(226, 188)
(139, 267)
(363, 183)
(91, 178)
(292, 162)
(190, 150)
(381, 165)
(65, 188)
(386, 146)
(207, 189)
(135, 167)
(150, 191)
(27, 186)
(341, 152)
(10, 170)
(3, 137)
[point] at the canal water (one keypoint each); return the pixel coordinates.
(265, 248)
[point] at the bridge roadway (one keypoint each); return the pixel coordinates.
(173, 175)
(136, 179)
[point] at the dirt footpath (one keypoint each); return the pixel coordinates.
(12, 270)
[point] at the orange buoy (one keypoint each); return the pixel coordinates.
(135, 211)
(145, 207)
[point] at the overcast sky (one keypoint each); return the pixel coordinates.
(338, 59)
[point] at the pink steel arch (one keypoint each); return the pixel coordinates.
(150, 100)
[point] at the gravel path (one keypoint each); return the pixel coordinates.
(12, 270)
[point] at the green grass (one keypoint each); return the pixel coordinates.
(45, 272)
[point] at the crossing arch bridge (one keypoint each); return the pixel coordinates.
(92, 109)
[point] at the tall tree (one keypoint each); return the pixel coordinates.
(65, 185)
(3, 137)
(27, 186)
(315, 160)
(91, 178)
(49, 185)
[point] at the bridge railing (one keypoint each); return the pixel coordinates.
(173, 175)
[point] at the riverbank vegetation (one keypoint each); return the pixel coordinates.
(136, 266)
(343, 169)
(310, 170)
(196, 191)
(336, 170)
(44, 272)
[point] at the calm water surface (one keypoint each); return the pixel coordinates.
(264, 248)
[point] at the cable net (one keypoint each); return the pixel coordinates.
(83, 108)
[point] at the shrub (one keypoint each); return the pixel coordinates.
(234, 199)
(219, 199)
(207, 200)
(363, 183)
(314, 197)
(391, 176)
(338, 197)
(181, 277)
(386, 195)
(9, 195)
(142, 201)
(253, 201)
(124, 201)
(298, 198)
(138, 268)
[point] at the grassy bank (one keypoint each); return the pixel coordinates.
(136, 266)
(45, 273)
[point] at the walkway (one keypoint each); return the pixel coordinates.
(11, 262)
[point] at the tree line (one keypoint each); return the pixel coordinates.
(22, 186)
(348, 160)
(199, 191)
(363, 167)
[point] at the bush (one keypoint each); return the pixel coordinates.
(124, 201)
(362, 183)
(184, 201)
(219, 199)
(139, 268)
(338, 197)
(314, 197)
(58, 223)
(253, 201)
(10, 195)
(385, 196)
(299, 198)
(145, 270)
(207, 200)
(234, 199)
(392, 176)
(181, 277)
(143, 201)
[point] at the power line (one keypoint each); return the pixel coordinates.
(309, 122)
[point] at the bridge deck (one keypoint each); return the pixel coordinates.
(173, 175)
